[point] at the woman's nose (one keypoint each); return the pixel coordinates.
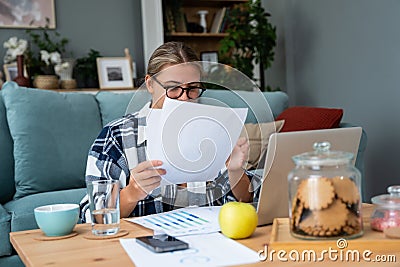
(184, 97)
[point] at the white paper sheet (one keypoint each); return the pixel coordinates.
(204, 250)
(184, 221)
(193, 140)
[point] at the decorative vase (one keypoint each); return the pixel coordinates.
(21, 80)
(66, 73)
(203, 21)
(46, 82)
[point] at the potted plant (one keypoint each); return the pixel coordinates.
(45, 51)
(85, 70)
(251, 39)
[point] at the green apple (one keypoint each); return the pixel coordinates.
(237, 219)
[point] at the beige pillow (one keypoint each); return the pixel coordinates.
(258, 136)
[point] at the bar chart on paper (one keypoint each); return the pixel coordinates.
(185, 221)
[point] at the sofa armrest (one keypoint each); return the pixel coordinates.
(360, 154)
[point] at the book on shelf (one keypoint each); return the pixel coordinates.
(169, 21)
(180, 22)
(218, 19)
(225, 21)
(174, 21)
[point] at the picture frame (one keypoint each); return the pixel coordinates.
(27, 14)
(11, 71)
(114, 72)
(211, 56)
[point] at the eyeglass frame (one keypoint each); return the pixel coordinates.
(183, 89)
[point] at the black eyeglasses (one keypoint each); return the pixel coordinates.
(193, 89)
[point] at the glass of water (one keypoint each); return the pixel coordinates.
(104, 206)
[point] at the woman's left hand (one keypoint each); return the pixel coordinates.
(239, 155)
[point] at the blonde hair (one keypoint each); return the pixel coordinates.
(170, 53)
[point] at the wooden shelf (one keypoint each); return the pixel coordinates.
(212, 3)
(174, 30)
(191, 34)
(89, 89)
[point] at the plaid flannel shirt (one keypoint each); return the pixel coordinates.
(120, 146)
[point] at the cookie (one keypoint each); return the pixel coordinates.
(316, 193)
(317, 231)
(349, 230)
(297, 210)
(308, 224)
(346, 190)
(332, 218)
(353, 220)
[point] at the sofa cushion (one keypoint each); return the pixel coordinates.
(52, 134)
(310, 118)
(7, 188)
(115, 105)
(258, 135)
(263, 107)
(278, 101)
(13, 260)
(5, 227)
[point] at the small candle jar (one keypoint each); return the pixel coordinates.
(387, 209)
(324, 195)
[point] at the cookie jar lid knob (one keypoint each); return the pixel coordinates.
(394, 190)
(322, 155)
(391, 200)
(321, 147)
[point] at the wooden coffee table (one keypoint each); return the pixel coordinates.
(79, 251)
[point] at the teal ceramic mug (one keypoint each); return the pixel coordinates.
(57, 219)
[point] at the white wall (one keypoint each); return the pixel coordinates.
(345, 53)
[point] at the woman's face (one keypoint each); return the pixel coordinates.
(169, 77)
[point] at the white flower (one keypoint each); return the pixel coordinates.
(11, 43)
(55, 58)
(23, 44)
(50, 58)
(14, 47)
(60, 67)
(17, 51)
(45, 56)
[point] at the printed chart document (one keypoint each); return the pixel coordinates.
(193, 140)
(204, 250)
(184, 221)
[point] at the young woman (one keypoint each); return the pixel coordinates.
(119, 150)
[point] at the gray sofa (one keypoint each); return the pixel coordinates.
(45, 137)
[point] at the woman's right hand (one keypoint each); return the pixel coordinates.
(145, 177)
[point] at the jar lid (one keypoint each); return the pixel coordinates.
(322, 155)
(391, 200)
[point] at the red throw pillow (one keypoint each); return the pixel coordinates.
(310, 118)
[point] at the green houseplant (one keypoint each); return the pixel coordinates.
(85, 70)
(45, 51)
(251, 38)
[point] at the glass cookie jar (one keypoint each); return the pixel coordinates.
(324, 195)
(387, 209)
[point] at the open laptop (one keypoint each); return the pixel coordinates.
(274, 196)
